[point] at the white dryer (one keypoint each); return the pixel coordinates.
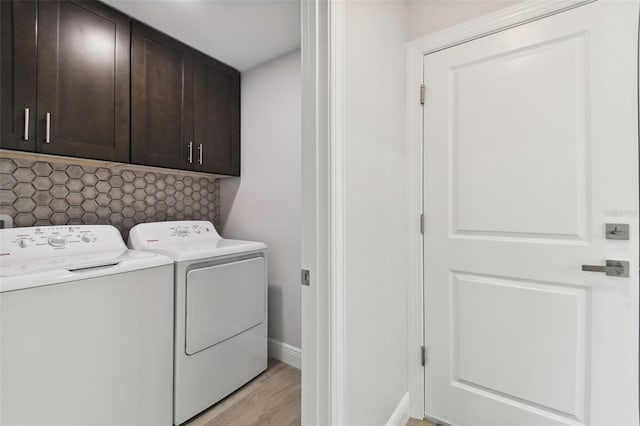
(86, 329)
(220, 312)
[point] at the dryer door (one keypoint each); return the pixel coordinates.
(223, 301)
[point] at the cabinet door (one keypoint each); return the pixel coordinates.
(217, 116)
(18, 75)
(161, 100)
(83, 80)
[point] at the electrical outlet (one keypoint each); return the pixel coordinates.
(6, 221)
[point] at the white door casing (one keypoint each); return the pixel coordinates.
(530, 147)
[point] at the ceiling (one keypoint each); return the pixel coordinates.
(240, 33)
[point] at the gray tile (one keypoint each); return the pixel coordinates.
(42, 183)
(75, 212)
(89, 192)
(196, 215)
(103, 186)
(139, 194)
(74, 172)
(188, 180)
(195, 186)
(8, 210)
(170, 179)
(161, 195)
(161, 206)
(89, 206)
(160, 216)
(103, 173)
(103, 199)
(179, 195)
(128, 176)
(89, 179)
(7, 197)
(128, 223)
(116, 218)
(150, 189)
(24, 190)
(116, 205)
(150, 211)
(23, 174)
(150, 200)
(75, 185)
(89, 169)
(179, 215)
(116, 181)
(103, 212)
(89, 218)
(128, 200)
(140, 217)
(188, 211)
(195, 196)
(139, 206)
(128, 188)
(42, 212)
(24, 219)
(170, 200)
(59, 219)
(150, 177)
(59, 205)
(179, 206)
(204, 211)
(179, 185)
(170, 190)
(188, 201)
(161, 184)
(196, 206)
(116, 193)
(75, 198)
(139, 182)
(7, 165)
(188, 190)
(59, 191)
(41, 168)
(58, 177)
(7, 181)
(42, 198)
(128, 211)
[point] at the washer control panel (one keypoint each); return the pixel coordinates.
(49, 240)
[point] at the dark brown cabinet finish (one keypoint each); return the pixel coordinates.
(216, 116)
(18, 75)
(161, 100)
(83, 80)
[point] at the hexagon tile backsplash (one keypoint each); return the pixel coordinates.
(47, 193)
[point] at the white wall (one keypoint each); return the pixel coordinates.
(264, 203)
(429, 16)
(375, 211)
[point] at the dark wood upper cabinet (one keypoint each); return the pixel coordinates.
(83, 80)
(216, 116)
(18, 75)
(161, 100)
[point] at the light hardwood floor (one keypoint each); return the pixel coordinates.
(272, 398)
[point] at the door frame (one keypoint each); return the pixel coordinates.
(500, 20)
(322, 245)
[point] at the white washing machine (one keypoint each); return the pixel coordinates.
(221, 310)
(86, 329)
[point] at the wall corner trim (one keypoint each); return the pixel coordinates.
(400, 415)
(286, 353)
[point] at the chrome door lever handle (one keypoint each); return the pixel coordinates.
(613, 268)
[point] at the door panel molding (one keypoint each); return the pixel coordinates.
(492, 23)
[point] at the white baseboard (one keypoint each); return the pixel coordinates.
(400, 415)
(285, 353)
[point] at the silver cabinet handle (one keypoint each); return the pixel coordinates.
(200, 154)
(47, 137)
(26, 124)
(613, 268)
(190, 152)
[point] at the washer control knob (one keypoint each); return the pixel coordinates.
(23, 242)
(57, 241)
(182, 232)
(86, 238)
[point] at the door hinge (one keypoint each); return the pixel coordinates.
(305, 277)
(422, 223)
(422, 90)
(423, 350)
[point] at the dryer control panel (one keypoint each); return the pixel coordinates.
(175, 232)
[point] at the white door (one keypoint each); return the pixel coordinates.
(530, 148)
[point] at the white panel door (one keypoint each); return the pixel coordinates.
(530, 148)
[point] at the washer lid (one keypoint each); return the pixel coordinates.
(32, 257)
(187, 240)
